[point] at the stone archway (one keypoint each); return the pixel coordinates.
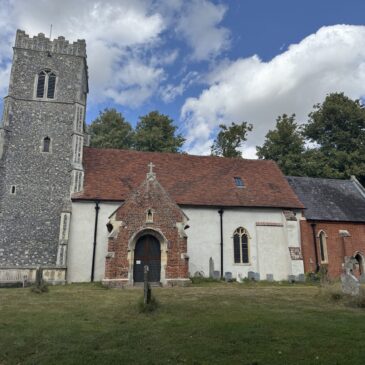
(158, 235)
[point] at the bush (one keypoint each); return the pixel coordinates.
(149, 307)
(201, 280)
(39, 289)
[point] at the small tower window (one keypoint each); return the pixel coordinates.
(46, 144)
(51, 85)
(41, 83)
(46, 84)
(13, 190)
(238, 181)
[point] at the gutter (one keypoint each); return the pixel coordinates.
(220, 212)
(97, 208)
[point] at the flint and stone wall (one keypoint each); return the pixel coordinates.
(30, 215)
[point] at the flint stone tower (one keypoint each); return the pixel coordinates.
(41, 143)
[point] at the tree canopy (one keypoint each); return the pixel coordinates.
(285, 145)
(156, 132)
(111, 130)
(334, 136)
(230, 139)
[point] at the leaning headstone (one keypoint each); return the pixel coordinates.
(350, 284)
(291, 278)
(216, 275)
(251, 275)
(199, 274)
(257, 276)
(211, 267)
(270, 277)
(228, 276)
(301, 278)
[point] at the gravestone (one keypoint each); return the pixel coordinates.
(350, 284)
(291, 278)
(251, 275)
(199, 274)
(270, 277)
(211, 268)
(216, 275)
(257, 276)
(228, 276)
(301, 278)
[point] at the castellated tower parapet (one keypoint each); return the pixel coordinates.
(42, 43)
(41, 145)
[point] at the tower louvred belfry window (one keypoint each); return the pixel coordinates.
(46, 84)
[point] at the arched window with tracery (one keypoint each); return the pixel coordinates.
(323, 247)
(46, 84)
(241, 246)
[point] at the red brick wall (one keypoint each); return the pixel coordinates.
(133, 216)
(337, 246)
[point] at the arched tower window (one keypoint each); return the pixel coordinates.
(46, 84)
(240, 246)
(46, 144)
(323, 247)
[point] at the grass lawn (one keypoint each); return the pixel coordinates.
(206, 324)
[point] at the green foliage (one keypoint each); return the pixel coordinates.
(230, 139)
(337, 126)
(40, 288)
(111, 130)
(149, 307)
(285, 145)
(202, 280)
(335, 133)
(155, 132)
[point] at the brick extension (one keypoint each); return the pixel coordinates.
(130, 222)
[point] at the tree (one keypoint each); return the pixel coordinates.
(111, 130)
(337, 127)
(155, 132)
(230, 139)
(285, 145)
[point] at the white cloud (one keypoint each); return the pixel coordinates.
(333, 59)
(199, 26)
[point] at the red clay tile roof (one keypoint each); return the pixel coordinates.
(111, 174)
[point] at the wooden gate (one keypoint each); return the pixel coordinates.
(147, 252)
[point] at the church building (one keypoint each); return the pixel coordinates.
(86, 214)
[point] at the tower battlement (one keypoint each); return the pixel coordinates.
(41, 43)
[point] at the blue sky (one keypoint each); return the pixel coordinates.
(204, 62)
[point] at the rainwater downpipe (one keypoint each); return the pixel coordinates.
(220, 212)
(97, 208)
(313, 225)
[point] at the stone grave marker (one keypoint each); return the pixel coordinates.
(228, 276)
(291, 278)
(211, 268)
(270, 277)
(216, 275)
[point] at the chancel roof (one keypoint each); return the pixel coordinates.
(330, 199)
(112, 174)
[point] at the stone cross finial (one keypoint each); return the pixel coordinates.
(151, 175)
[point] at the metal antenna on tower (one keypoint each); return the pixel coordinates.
(50, 32)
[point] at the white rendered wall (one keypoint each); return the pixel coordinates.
(80, 247)
(268, 245)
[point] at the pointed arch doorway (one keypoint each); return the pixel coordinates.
(147, 252)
